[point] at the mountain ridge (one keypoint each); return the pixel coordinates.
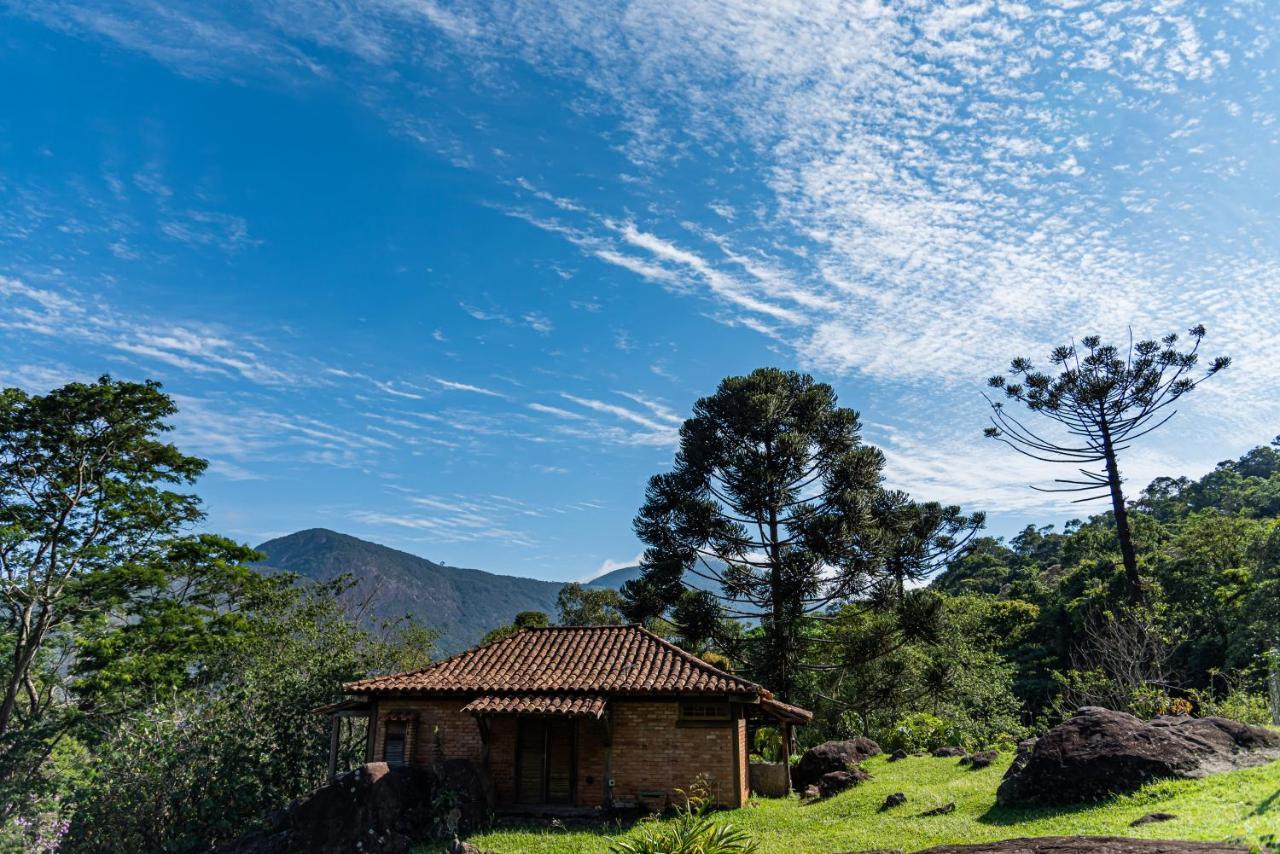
(460, 602)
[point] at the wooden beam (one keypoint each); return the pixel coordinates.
(608, 760)
(334, 734)
(786, 749)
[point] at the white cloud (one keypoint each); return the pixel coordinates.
(608, 565)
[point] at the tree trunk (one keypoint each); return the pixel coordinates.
(1273, 683)
(1133, 581)
(20, 665)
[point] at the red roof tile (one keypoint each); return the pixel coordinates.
(569, 705)
(591, 659)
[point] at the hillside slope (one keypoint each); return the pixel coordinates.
(462, 603)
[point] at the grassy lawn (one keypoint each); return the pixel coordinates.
(1242, 806)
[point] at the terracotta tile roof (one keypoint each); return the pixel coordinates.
(785, 711)
(569, 705)
(588, 659)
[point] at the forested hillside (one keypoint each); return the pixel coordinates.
(1209, 549)
(460, 604)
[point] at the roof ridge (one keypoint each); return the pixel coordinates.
(618, 658)
(699, 662)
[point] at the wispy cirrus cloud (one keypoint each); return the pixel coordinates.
(906, 193)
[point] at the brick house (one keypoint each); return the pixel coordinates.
(573, 716)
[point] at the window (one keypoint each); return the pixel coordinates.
(393, 743)
(704, 711)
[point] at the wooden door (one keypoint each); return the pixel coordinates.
(559, 762)
(544, 761)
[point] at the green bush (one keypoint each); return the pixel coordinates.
(692, 831)
(1238, 705)
(921, 731)
(768, 744)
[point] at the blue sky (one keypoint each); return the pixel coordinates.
(448, 275)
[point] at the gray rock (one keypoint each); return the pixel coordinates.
(897, 799)
(1152, 818)
(982, 759)
(376, 808)
(835, 782)
(1099, 753)
(830, 756)
(1089, 845)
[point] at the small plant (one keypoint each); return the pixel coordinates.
(923, 731)
(692, 831)
(768, 744)
(1237, 705)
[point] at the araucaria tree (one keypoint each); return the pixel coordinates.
(1105, 399)
(771, 498)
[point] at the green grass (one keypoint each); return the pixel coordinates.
(1240, 806)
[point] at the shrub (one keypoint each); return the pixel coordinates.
(692, 831)
(920, 731)
(768, 744)
(1238, 705)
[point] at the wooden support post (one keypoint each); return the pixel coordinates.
(334, 734)
(608, 760)
(786, 750)
(486, 737)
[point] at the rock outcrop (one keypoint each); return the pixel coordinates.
(376, 808)
(830, 756)
(1099, 753)
(835, 782)
(1089, 845)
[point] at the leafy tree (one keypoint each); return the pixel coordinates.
(769, 498)
(1105, 400)
(152, 626)
(957, 676)
(523, 620)
(84, 491)
(205, 764)
(588, 606)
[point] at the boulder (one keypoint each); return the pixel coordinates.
(835, 782)
(982, 759)
(897, 799)
(1089, 845)
(950, 752)
(811, 793)
(898, 755)
(948, 807)
(1152, 818)
(830, 756)
(376, 808)
(1099, 753)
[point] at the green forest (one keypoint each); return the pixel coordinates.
(158, 689)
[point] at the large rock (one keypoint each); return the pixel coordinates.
(376, 808)
(1089, 845)
(830, 756)
(835, 782)
(1099, 753)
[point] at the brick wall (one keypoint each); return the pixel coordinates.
(437, 724)
(591, 771)
(651, 753)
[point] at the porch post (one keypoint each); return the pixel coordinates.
(786, 750)
(486, 737)
(334, 722)
(608, 760)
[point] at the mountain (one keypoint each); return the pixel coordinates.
(462, 604)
